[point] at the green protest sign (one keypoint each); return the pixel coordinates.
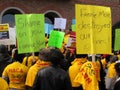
(73, 27)
(30, 32)
(56, 39)
(117, 40)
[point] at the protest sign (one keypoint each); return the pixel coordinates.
(4, 32)
(56, 39)
(117, 40)
(93, 29)
(48, 28)
(73, 27)
(12, 37)
(12, 34)
(60, 23)
(30, 32)
(73, 21)
(71, 40)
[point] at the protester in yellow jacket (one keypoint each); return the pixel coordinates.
(42, 62)
(3, 84)
(29, 60)
(74, 69)
(111, 73)
(88, 76)
(15, 73)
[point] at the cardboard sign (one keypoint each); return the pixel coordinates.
(4, 27)
(72, 40)
(56, 39)
(93, 29)
(74, 27)
(60, 23)
(30, 32)
(4, 33)
(117, 40)
(48, 28)
(12, 38)
(73, 21)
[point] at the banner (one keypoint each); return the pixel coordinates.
(117, 40)
(93, 29)
(56, 39)
(30, 32)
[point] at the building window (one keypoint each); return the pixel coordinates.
(50, 15)
(9, 17)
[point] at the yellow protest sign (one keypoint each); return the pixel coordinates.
(93, 29)
(4, 27)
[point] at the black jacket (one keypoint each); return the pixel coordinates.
(117, 84)
(5, 59)
(52, 78)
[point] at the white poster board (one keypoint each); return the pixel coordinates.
(60, 23)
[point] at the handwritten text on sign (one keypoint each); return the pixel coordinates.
(93, 27)
(30, 32)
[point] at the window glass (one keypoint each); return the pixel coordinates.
(9, 18)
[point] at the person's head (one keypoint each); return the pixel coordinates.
(107, 58)
(55, 56)
(18, 57)
(117, 67)
(98, 56)
(43, 54)
(3, 49)
(36, 53)
(81, 55)
(113, 58)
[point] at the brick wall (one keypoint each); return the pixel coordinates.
(64, 7)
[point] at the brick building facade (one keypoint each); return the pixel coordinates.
(52, 9)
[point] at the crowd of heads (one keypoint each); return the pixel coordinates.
(57, 58)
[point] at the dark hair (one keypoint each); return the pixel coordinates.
(36, 53)
(43, 54)
(114, 58)
(81, 55)
(18, 57)
(55, 56)
(3, 49)
(107, 58)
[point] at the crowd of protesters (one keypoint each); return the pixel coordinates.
(58, 69)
